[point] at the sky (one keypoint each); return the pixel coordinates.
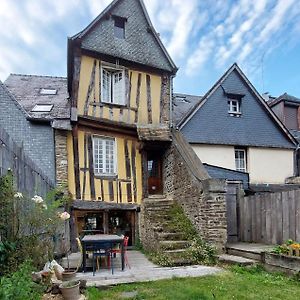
(204, 38)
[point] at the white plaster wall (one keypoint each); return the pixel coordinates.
(217, 155)
(267, 165)
(264, 165)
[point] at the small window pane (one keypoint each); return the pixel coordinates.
(42, 108)
(104, 156)
(240, 160)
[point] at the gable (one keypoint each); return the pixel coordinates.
(212, 124)
(141, 44)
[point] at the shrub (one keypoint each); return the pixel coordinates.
(19, 285)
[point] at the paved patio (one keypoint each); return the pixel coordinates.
(141, 270)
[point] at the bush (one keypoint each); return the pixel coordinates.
(28, 226)
(19, 285)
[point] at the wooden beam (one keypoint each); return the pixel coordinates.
(138, 96)
(149, 101)
(133, 170)
(85, 169)
(76, 76)
(111, 190)
(100, 205)
(76, 160)
(90, 88)
(91, 167)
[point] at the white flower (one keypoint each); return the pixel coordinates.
(18, 195)
(37, 199)
(64, 216)
(44, 206)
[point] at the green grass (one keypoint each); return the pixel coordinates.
(236, 283)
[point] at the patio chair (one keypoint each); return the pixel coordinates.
(103, 251)
(118, 250)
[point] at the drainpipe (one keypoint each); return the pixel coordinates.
(171, 100)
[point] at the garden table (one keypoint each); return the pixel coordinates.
(95, 241)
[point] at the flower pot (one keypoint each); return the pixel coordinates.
(68, 275)
(70, 290)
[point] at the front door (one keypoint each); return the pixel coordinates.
(154, 174)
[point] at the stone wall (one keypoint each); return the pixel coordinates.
(61, 157)
(203, 201)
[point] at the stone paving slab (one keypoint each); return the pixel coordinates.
(142, 270)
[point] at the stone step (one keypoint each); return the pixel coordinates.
(180, 261)
(158, 202)
(248, 250)
(176, 253)
(170, 236)
(233, 259)
(174, 245)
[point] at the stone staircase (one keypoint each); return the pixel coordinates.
(170, 242)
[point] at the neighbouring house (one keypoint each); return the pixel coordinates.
(37, 117)
(286, 107)
(232, 127)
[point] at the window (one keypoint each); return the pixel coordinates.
(234, 106)
(240, 160)
(119, 28)
(48, 92)
(113, 86)
(42, 108)
(104, 156)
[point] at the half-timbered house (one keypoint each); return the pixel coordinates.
(119, 82)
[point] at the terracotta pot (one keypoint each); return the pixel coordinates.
(68, 275)
(70, 290)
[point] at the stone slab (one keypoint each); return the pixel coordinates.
(142, 270)
(232, 259)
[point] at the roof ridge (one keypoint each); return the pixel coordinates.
(187, 94)
(35, 75)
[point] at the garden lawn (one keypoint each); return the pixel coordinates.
(236, 283)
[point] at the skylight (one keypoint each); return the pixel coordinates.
(42, 108)
(48, 91)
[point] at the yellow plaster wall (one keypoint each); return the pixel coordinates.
(121, 171)
(128, 112)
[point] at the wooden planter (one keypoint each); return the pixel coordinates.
(283, 263)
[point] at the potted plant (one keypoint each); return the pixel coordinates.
(70, 290)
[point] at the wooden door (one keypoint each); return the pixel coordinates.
(232, 211)
(154, 174)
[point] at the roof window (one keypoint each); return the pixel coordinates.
(119, 27)
(42, 108)
(48, 91)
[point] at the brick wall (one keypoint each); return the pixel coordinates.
(37, 139)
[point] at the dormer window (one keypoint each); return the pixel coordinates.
(234, 107)
(119, 27)
(113, 85)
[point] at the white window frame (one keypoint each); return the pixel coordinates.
(237, 160)
(97, 170)
(232, 103)
(111, 93)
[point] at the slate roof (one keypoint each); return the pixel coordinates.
(26, 90)
(223, 173)
(210, 123)
(284, 97)
(142, 43)
(182, 105)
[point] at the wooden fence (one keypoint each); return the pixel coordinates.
(270, 218)
(29, 178)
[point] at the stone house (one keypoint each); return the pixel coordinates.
(232, 127)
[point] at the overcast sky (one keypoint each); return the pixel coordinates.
(204, 37)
